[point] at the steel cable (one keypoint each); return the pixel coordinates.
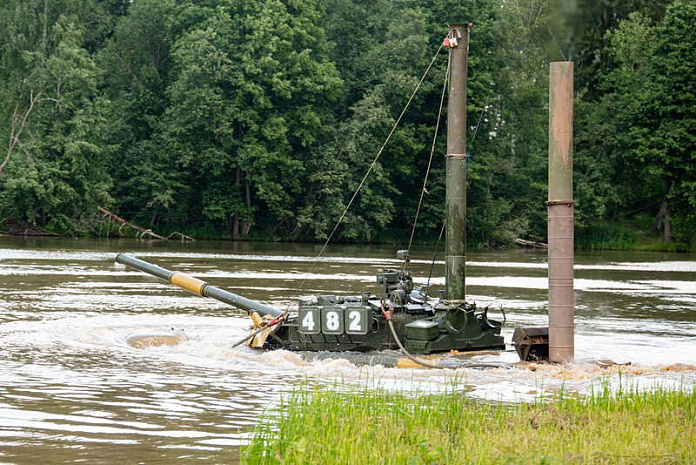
(432, 151)
(372, 165)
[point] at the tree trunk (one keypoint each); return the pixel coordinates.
(296, 231)
(141, 231)
(235, 221)
(275, 228)
(44, 35)
(663, 221)
(246, 225)
(18, 124)
(235, 228)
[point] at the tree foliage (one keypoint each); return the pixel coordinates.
(637, 140)
(260, 118)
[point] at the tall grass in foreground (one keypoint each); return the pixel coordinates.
(321, 426)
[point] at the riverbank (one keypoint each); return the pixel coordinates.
(354, 427)
(635, 234)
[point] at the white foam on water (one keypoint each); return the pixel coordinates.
(209, 347)
(63, 255)
(636, 288)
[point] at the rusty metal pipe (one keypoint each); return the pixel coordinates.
(455, 165)
(561, 214)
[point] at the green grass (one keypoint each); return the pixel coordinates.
(320, 426)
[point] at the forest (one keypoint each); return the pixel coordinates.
(257, 119)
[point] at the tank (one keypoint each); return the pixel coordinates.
(356, 323)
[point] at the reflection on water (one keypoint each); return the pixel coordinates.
(72, 389)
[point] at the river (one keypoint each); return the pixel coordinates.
(72, 390)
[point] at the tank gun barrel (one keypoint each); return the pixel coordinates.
(198, 286)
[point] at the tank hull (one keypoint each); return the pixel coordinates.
(422, 328)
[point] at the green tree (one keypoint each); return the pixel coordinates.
(136, 70)
(54, 173)
(508, 169)
(381, 72)
(637, 141)
(249, 100)
(666, 145)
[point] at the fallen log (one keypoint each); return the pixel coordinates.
(183, 237)
(531, 244)
(142, 232)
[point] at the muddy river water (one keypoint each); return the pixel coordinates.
(72, 390)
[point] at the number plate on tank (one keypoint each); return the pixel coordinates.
(309, 322)
(356, 320)
(332, 320)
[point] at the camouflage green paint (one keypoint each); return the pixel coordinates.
(455, 204)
